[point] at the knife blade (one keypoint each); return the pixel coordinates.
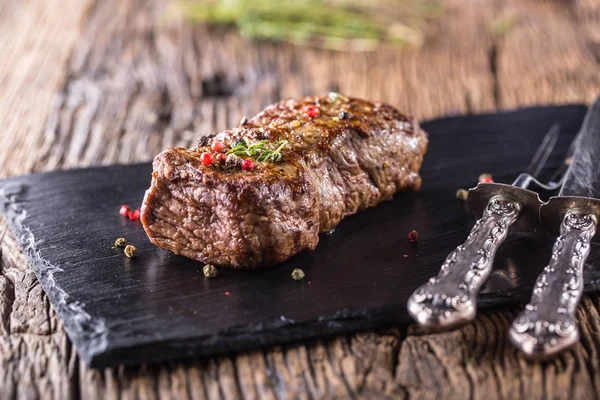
(548, 325)
(449, 299)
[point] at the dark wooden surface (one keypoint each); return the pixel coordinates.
(97, 82)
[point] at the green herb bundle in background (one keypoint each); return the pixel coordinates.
(332, 24)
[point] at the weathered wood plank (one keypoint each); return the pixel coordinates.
(36, 359)
(543, 58)
(136, 82)
(35, 42)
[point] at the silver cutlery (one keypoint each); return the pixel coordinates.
(449, 299)
(548, 323)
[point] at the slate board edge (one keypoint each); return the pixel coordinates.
(88, 333)
(271, 333)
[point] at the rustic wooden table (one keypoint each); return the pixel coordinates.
(86, 82)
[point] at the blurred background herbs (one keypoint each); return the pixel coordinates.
(331, 24)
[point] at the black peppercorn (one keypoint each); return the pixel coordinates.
(202, 140)
(344, 115)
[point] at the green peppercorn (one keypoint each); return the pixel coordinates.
(462, 194)
(210, 271)
(130, 251)
(297, 274)
(232, 160)
(334, 96)
(120, 242)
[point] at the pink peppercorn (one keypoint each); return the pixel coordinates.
(217, 146)
(311, 111)
(134, 215)
(206, 158)
(247, 165)
(125, 210)
(486, 178)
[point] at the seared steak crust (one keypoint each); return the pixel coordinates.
(352, 155)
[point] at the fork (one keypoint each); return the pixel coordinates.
(449, 299)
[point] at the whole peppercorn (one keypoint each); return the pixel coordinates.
(206, 158)
(335, 96)
(232, 160)
(125, 210)
(247, 165)
(120, 242)
(202, 140)
(413, 236)
(344, 115)
(217, 146)
(130, 251)
(311, 111)
(221, 157)
(485, 178)
(462, 194)
(210, 271)
(134, 215)
(297, 274)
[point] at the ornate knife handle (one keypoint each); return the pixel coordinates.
(548, 324)
(449, 299)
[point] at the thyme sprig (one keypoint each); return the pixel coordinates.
(273, 155)
(261, 150)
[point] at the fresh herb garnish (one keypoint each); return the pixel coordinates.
(273, 155)
(332, 24)
(261, 150)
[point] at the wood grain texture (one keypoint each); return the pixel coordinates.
(117, 81)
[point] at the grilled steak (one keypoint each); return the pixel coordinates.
(311, 162)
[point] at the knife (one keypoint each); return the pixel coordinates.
(449, 299)
(548, 324)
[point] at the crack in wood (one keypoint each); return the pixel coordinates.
(493, 63)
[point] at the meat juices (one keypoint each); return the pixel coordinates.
(343, 155)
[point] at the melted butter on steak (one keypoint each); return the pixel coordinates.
(352, 155)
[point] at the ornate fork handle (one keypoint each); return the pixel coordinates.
(449, 299)
(548, 324)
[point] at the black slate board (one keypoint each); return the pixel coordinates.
(159, 306)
